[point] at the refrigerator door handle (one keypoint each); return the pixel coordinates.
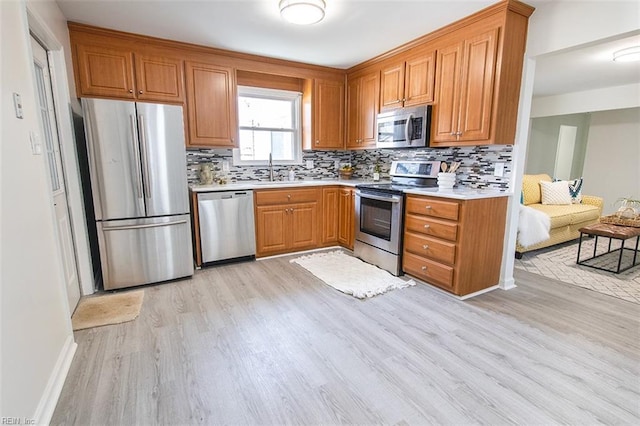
(151, 225)
(136, 155)
(145, 156)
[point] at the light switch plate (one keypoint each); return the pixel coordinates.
(309, 164)
(17, 104)
(225, 165)
(498, 169)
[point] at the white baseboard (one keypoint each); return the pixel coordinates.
(52, 392)
(508, 284)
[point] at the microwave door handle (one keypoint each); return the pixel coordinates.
(407, 128)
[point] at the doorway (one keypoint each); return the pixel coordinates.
(51, 143)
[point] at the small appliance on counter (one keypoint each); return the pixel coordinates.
(140, 193)
(379, 213)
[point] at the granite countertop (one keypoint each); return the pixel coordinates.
(240, 186)
(459, 193)
(456, 193)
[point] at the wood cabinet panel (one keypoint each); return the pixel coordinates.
(346, 229)
(432, 207)
(431, 248)
(303, 223)
(392, 86)
(446, 111)
(429, 271)
(328, 115)
(286, 196)
(419, 80)
(271, 224)
(105, 71)
(363, 95)
(159, 79)
(212, 105)
(432, 227)
(330, 215)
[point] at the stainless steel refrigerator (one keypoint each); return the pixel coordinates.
(139, 183)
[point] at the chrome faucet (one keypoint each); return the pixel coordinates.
(270, 168)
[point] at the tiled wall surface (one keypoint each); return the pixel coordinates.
(476, 170)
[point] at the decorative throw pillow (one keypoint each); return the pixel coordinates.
(575, 190)
(555, 192)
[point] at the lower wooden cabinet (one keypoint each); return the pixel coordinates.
(346, 225)
(330, 213)
(286, 221)
(454, 244)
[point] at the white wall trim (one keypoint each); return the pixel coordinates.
(604, 99)
(519, 156)
(63, 105)
(52, 392)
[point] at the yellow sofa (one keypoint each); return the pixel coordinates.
(565, 219)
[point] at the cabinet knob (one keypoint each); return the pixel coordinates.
(289, 196)
(459, 134)
(425, 246)
(427, 226)
(453, 133)
(140, 92)
(130, 90)
(427, 207)
(317, 142)
(424, 268)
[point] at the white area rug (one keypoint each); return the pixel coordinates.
(350, 275)
(559, 262)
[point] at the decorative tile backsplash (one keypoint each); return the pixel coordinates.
(476, 170)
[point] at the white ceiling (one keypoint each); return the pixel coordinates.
(352, 32)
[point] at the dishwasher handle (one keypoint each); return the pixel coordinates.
(223, 195)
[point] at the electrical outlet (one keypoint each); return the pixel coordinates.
(309, 164)
(225, 165)
(498, 169)
(336, 164)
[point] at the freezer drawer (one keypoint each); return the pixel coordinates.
(143, 251)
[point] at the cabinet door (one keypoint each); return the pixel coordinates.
(446, 109)
(328, 114)
(159, 79)
(369, 108)
(353, 113)
(105, 72)
(419, 80)
(303, 224)
(271, 230)
(392, 87)
(330, 213)
(346, 228)
(476, 94)
(212, 105)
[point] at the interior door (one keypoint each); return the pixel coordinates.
(49, 131)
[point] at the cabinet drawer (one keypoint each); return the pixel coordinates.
(428, 270)
(431, 207)
(431, 227)
(284, 196)
(430, 247)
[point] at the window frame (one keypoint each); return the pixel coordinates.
(276, 94)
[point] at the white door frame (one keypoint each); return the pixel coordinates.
(63, 106)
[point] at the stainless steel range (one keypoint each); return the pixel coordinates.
(380, 212)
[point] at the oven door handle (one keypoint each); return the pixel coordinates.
(391, 198)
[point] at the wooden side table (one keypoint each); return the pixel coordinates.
(613, 232)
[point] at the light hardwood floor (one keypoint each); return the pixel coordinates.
(266, 342)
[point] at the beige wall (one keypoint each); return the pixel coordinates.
(612, 162)
(36, 337)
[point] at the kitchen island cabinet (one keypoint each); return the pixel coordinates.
(453, 244)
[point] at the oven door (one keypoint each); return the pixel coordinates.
(379, 220)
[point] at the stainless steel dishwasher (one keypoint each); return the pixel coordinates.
(227, 228)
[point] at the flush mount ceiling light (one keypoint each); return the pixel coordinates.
(302, 12)
(629, 54)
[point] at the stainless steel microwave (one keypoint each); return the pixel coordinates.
(404, 127)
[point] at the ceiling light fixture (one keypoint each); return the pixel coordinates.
(629, 54)
(302, 12)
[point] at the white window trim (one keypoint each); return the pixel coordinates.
(296, 97)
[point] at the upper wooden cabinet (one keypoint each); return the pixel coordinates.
(122, 73)
(323, 114)
(211, 105)
(409, 82)
(363, 95)
(465, 81)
